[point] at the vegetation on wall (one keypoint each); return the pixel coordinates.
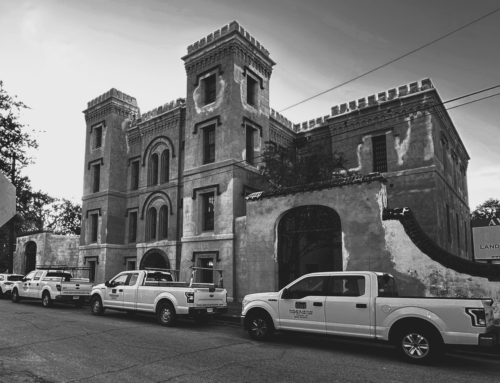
(488, 209)
(284, 167)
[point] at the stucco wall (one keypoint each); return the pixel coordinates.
(51, 249)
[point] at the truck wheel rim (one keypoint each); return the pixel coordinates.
(97, 305)
(45, 300)
(415, 346)
(166, 315)
(259, 327)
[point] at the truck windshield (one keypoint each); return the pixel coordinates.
(66, 276)
(15, 278)
(387, 286)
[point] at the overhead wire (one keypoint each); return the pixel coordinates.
(392, 61)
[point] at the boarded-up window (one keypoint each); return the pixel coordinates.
(133, 226)
(96, 170)
(208, 211)
(135, 175)
(164, 222)
(251, 91)
(98, 137)
(165, 166)
(379, 154)
(94, 223)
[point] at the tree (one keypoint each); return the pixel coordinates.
(64, 217)
(488, 209)
(284, 167)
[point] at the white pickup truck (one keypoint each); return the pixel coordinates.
(366, 305)
(53, 283)
(155, 291)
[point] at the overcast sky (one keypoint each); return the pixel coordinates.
(58, 55)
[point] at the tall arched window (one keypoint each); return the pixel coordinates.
(165, 166)
(153, 170)
(164, 222)
(151, 224)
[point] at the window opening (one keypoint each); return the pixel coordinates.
(152, 223)
(164, 222)
(448, 222)
(458, 231)
(97, 176)
(251, 90)
(210, 89)
(98, 137)
(91, 270)
(379, 154)
(94, 223)
(208, 211)
(153, 170)
(132, 226)
(165, 166)
(250, 146)
(209, 144)
(135, 175)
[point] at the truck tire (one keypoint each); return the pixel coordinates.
(260, 326)
(96, 307)
(15, 296)
(46, 300)
(419, 345)
(166, 315)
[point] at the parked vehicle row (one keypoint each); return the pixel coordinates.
(347, 304)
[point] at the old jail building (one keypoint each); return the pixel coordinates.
(168, 188)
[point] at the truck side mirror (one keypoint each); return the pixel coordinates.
(24, 279)
(107, 284)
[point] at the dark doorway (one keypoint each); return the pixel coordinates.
(309, 240)
(155, 259)
(30, 254)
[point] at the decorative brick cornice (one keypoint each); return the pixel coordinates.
(330, 184)
(279, 136)
(229, 48)
(92, 115)
(427, 246)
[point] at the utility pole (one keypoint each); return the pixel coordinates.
(11, 236)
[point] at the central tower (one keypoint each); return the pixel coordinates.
(227, 123)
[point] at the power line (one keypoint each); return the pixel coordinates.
(392, 61)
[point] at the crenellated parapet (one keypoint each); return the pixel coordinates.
(113, 93)
(391, 94)
(282, 119)
(215, 36)
(162, 109)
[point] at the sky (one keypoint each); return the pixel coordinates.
(58, 55)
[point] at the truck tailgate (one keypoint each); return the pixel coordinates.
(76, 288)
(204, 298)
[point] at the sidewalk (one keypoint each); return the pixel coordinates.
(233, 313)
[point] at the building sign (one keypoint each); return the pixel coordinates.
(486, 234)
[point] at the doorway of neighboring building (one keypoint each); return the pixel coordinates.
(155, 259)
(30, 257)
(309, 240)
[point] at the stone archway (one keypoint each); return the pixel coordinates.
(309, 240)
(155, 258)
(30, 257)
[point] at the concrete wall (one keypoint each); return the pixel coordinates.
(50, 249)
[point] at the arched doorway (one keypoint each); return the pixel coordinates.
(30, 257)
(155, 258)
(309, 240)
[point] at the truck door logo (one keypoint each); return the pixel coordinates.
(300, 305)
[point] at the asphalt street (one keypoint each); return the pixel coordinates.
(66, 344)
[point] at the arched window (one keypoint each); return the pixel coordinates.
(153, 170)
(151, 224)
(164, 222)
(165, 166)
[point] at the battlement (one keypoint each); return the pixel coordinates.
(280, 118)
(113, 93)
(391, 94)
(232, 26)
(162, 109)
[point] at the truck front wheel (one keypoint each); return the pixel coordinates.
(166, 315)
(46, 300)
(260, 326)
(96, 307)
(15, 296)
(419, 345)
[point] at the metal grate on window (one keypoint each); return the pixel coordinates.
(379, 154)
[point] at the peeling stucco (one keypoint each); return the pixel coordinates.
(198, 96)
(345, 253)
(239, 78)
(402, 146)
(429, 147)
